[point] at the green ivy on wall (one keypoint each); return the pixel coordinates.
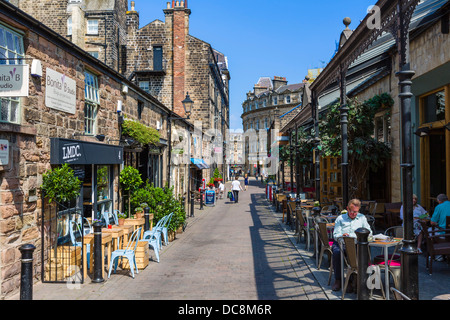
(141, 133)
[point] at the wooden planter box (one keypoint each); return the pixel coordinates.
(142, 256)
(65, 264)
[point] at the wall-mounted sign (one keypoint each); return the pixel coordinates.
(81, 153)
(60, 91)
(14, 80)
(4, 152)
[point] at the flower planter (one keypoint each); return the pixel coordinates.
(121, 221)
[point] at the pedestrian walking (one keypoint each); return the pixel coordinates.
(235, 187)
(221, 189)
(246, 181)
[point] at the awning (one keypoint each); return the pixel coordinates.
(200, 163)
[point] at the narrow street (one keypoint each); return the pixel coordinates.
(228, 252)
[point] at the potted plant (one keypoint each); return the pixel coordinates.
(60, 184)
(130, 180)
(121, 218)
(139, 212)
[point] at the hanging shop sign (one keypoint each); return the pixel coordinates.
(82, 153)
(14, 80)
(4, 152)
(60, 91)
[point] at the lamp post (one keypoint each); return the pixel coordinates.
(187, 105)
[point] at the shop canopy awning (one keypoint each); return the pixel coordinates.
(200, 163)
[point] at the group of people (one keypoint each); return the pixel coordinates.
(346, 225)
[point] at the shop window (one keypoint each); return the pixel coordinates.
(91, 104)
(433, 107)
(104, 201)
(11, 50)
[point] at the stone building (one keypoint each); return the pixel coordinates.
(273, 102)
(97, 26)
(66, 111)
(168, 62)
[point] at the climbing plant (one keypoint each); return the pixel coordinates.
(364, 151)
(139, 132)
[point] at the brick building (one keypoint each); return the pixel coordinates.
(40, 123)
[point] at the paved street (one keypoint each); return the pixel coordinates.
(230, 251)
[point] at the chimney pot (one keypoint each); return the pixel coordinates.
(132, 5)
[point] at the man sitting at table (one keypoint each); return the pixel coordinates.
(345, 226)
(439, 217)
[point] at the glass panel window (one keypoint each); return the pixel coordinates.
(91, 104)
(11, 50)
(434, 107)
(92, 26)
(69, 26)
(144, 85)
(275, 101)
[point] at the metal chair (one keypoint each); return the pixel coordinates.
(129, 252)
(398, 295)
(325, 247)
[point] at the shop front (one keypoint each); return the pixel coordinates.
(96, 165)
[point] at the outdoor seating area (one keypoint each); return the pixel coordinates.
(314, 227)
(124, 245)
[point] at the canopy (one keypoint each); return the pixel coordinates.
(200, 163)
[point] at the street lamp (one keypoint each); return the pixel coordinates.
(187, 105)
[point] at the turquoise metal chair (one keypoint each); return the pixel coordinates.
(154, 243)
(129, 252)
(165, 228)
(76, 243)
(155, 232)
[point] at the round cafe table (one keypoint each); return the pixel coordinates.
(442, 297)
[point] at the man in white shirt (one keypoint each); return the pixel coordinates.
(221, 189)
(345, 226)
(235, 187)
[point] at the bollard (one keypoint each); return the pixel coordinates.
(98, 261)
(147, 219)
(192, 203)
(201, 199)
(362, 248)
(26, 277)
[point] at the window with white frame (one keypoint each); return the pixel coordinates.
(11, 50)
(92, 26)
(69, 26)
(288, 99)
(91, 103)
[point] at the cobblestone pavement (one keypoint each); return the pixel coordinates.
(227, 252)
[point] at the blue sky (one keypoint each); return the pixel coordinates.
(265, 38)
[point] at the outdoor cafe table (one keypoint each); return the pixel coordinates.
(136, 223)
(116, 233)
(89, 239)
(385, 245)
(127, 231)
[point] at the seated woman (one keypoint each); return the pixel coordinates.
(418, 212)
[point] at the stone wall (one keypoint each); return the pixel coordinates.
(20, 202)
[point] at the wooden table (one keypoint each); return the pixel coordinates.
(89, 239)
(136, 223)
(127, 231)
(385, 245)
(116, 233)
